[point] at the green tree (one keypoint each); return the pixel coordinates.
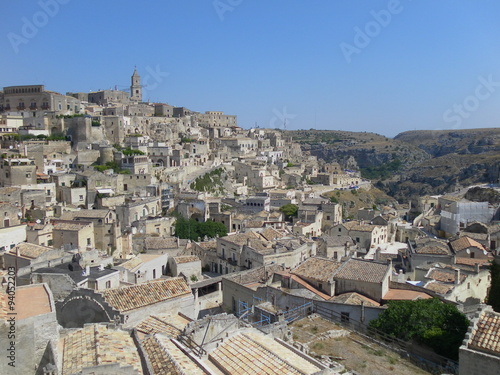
(187, 229)
(427, 321)
(211, 229)
(494, 293)
(289, 210)
(193, 230)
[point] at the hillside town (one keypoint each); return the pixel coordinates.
(145, 238)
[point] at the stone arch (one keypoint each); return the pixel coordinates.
(79, 310)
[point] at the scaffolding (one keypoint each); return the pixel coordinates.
(247, 313)
(298, 312)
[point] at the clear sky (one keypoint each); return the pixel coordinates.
(378, 66)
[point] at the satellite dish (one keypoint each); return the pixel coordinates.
(38, 221)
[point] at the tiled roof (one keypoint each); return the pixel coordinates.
(357, 226)
(186, 259)
(317, 268)
(430, 249)
(156, 243)
(167, 359)
(208, 244)
(136, 296)
(140, 259)
(159, 359)
(97, 345)
(270, 234)
(435, 246)
(439, 287)
(335, 241)
(448, 276)
(170, 325)
(403, 294)
(93, 214)
(464, 243)
(30, 250)
(240, 238)
(362, 270)
(476, 236)
(70, 226)
(310, 288)
(132, 263)
(473, 261)
(486, 334)
(254, 275)
(243, 355)
(354, 299)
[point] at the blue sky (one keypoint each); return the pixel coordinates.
(378, 66)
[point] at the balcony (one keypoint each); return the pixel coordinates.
(232, 262)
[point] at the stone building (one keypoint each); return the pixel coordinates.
(36, 331)
(366, 235)
(16, 172)
(480, 351)
(33, 98)
(127, 305)
(100, 349)
(73, 234)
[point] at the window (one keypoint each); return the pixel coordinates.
(81, 198)
(344, 317)
(108, 284)
(88, 241)
(340, 229)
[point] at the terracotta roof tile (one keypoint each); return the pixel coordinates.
(171, 325)
(186, 259)
(486, 334)
(136, 296)
(241, 355)
(317, 268)
(464, 243)
(96, 344)
(362, 270)
(439, 287)
(444, 276)
(30, 250)
(354, 299)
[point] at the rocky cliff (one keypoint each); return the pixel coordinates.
(414, 163)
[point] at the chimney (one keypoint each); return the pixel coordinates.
(87, 270)
(377, 254)
(476, 267)
(457, 276)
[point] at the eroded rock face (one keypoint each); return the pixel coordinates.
(428, 161)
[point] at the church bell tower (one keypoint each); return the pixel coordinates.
(136, 88)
